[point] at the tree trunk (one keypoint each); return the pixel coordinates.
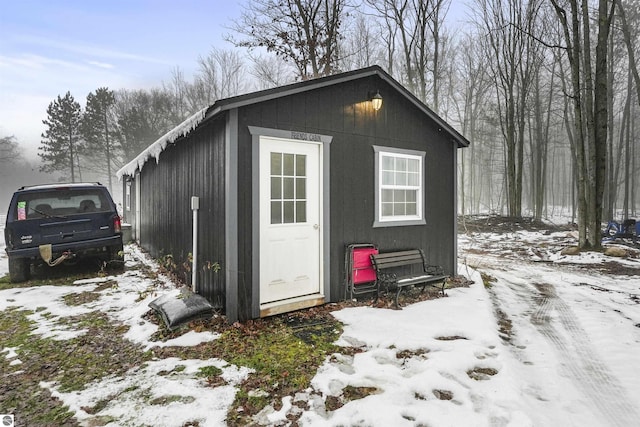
(626, 32)
(591, 115)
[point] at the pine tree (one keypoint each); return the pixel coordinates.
(98, 130)
(61, 141)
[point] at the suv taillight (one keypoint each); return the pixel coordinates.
(117, 224)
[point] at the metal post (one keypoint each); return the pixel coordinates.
(195, 205)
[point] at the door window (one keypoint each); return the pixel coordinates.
(288, 188)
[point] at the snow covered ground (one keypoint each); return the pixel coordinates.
(552, 341)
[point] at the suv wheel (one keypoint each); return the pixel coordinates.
(18, 269)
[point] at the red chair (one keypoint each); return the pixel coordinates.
(361, 276)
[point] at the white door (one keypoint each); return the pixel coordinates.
(290, 226)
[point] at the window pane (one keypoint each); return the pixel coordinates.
(288, 188)
(387, 163)
(413, 165)
(414, 179)
(412, 209)
(301, 211)
(412, 196)
(399, 209)
(387, 196)
(276, 212)
(276, 163)
(288, 212)
(276, 188)
(401, 164)
(288, 165)
(401, 178)
(301, 165)
(301, 188)
(387, 209)
(387, 178)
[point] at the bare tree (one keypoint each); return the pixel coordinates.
(361, 47)
(8, 149)
(304, 32)
(270, 71)
(589, 85)
(629, 42)
(474, 88)
(511, 56)
(222, 74)
(416, 26)
(435, 17)
(180, 89)
(142, 116)
(539, 139)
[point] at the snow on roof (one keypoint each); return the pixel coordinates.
(159, 146)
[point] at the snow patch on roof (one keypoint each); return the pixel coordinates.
(159, 146)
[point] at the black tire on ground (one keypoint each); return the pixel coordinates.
(18, 269)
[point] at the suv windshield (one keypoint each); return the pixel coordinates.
(59, 203)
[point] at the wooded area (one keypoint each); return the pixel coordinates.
(547, 91)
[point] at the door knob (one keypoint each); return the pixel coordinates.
(316, 226)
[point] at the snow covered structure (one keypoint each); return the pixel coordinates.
(286, 179)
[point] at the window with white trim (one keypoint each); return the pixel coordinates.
(399, 187)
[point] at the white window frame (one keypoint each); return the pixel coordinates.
(399, 220)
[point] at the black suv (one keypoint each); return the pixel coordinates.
(59, 222)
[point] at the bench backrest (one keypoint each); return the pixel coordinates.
(398, 259)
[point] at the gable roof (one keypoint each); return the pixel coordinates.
(295, 88)
(226, 104)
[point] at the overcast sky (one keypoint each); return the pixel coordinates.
(49, 47)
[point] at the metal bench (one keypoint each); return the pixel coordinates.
(391, 272)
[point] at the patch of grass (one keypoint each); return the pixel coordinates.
(212, 375)
(209, 371)
(349, 393)
(5, 282)
(75, 299)
(81, 298)
(419, 396)
(353, 393)
(480, 374)
(408, 354)
(505, 326)
(451, 338)
(70, 364)
(165, 400)
(443, 394)
(20, 392)
(285, 355)
(102, 351)
(487, 280)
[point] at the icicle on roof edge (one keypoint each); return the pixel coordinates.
(159, 146)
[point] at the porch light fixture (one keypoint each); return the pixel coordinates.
(376, 101)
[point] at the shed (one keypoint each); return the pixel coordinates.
(287, 178)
